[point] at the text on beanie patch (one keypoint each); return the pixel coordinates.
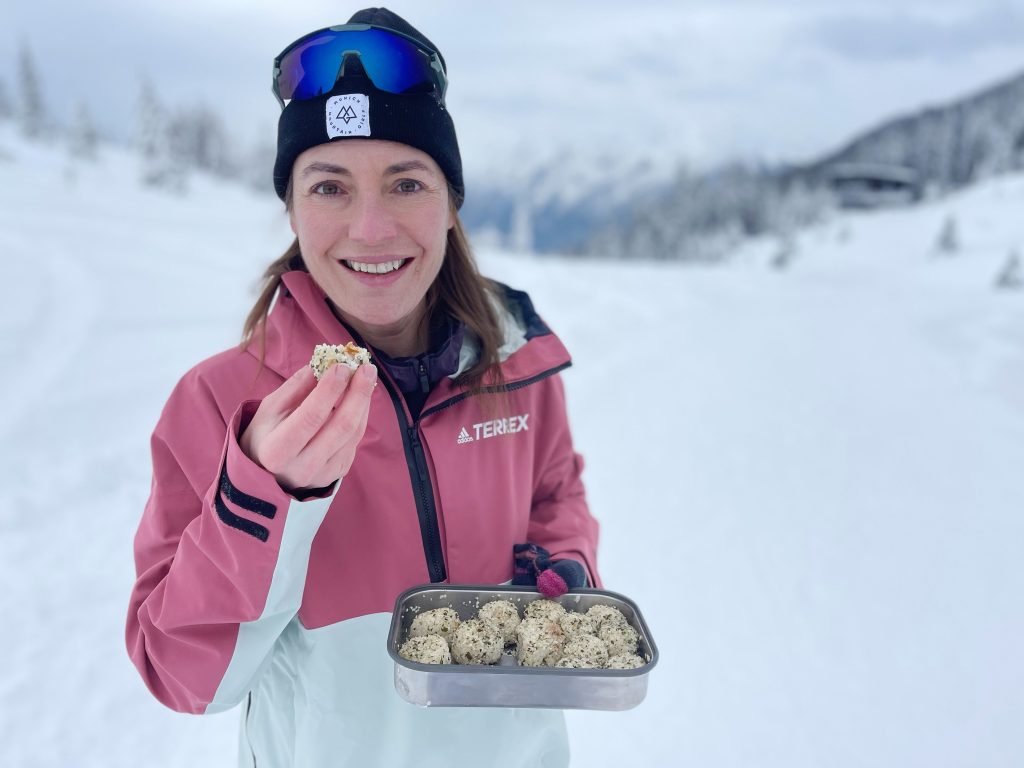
(348, 115)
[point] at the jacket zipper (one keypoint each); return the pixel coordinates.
(428, 517)
(416, 459)
(423, 490)
(428, 525)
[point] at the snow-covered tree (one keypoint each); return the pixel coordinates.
(257, 166)
(32, 112)
(521, 234)
(84, 140)
(948, 241)
(159, 152)
(6, 104)
(207, 144)
(786, 251)
(1011, 276)
(179, 153)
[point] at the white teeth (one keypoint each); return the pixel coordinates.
(375, 269)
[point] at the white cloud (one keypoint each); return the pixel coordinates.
(783, 79)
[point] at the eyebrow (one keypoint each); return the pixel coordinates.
(408, 165)
(391, 170)
(325, 168)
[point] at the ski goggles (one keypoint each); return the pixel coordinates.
(395, 63)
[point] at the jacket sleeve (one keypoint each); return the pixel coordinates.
(560, 520)
(221, 555)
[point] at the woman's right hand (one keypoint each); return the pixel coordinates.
(306, 431)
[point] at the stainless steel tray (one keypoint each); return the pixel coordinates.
(508, 684)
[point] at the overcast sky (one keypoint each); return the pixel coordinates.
(704, 80)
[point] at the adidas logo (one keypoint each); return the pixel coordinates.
(486, 429)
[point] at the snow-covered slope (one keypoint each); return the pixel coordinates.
(808, 478)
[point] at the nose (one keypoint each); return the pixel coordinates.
(370, 220)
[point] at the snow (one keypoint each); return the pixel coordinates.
(809, 479)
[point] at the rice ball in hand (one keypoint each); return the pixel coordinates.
(350, 355)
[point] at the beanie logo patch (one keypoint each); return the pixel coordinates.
(348, 115)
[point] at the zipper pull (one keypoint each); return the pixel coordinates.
(417, 447)
(424, 381)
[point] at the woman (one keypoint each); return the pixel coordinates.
(286, 514)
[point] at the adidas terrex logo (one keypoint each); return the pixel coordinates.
(486, 429)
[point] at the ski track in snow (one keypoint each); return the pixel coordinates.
(809, 480)
(60, 321)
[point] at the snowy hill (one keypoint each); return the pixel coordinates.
(809, 477)
(699, 217)
(948, 146)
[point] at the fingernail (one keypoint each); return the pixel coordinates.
(342, 371)
(369, 370)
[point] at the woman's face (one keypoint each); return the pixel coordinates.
(372, 219)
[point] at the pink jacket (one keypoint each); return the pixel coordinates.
(244, 591)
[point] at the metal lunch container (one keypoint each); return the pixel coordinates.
(507, 684)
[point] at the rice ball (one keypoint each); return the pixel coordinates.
(350, 355)
(539, 642)
(586, 652)
(602, 613)
(428, 649)
(440, 621)
(503, 615)
(620, 637)
(545, 609)
(477, 642)
(625, 661)
(576, 624)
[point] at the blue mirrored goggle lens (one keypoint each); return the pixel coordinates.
(394, 64)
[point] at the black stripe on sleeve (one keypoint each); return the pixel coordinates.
(244, 500)
(231, 519)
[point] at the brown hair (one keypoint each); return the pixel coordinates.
(459, 290)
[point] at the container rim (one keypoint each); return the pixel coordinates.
(494, 669)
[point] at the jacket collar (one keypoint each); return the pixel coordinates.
(301, 318)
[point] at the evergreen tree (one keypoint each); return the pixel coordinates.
(208, 148)
(6, 105)
(32, 113)
(1011, 275)
(949, 240)
(786, 251)
(180, 152)
(84, 140)
(255, 169)
(151, 140)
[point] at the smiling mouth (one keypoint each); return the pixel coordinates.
(375, 269)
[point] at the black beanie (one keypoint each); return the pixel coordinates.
(416, 119)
